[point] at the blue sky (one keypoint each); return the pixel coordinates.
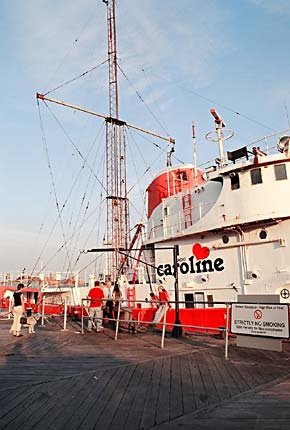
(183, 57)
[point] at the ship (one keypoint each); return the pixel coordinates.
(48, 292)
(212, 233)
(230, 223)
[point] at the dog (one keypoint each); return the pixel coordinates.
(31, 322)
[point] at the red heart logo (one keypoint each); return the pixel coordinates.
(200, 252)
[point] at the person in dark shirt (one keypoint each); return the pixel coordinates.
(18, 310)
(117, 298)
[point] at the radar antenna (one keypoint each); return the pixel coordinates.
(220, 137)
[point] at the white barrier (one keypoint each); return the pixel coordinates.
(164, 323)
(65, 314)
(42, 311)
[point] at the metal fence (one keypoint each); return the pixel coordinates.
(135, 324)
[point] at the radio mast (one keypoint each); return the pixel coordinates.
(117, 208)
(117, 233)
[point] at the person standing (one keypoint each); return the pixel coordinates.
(96, 296)
(117, 297)
(164, 305)
(154, 300)
(18, 310)
(165, 297)
(108, 312)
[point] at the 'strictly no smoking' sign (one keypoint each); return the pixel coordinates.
(271, 320)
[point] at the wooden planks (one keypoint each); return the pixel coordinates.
(62, 380)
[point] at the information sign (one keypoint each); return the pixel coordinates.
(268, 320)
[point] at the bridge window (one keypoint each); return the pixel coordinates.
(280, 172)
(256, 176)
(235, 181)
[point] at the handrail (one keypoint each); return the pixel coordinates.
(164, 323)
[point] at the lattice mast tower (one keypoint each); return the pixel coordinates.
(117, 234)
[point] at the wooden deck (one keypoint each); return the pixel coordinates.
(58, 379)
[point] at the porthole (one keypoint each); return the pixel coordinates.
(225, 238)
(263, 234)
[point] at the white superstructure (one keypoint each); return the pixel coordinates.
(232, 227)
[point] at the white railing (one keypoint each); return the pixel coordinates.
(135, 323)
(174, 223)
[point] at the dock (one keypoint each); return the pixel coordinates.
(61, 379)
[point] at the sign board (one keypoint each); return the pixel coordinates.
(267, 320)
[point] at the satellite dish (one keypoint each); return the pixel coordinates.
(283, 143)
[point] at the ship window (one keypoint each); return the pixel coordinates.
(188, 298)
(225, 238)
(280, 172)
(210, 301)
(166, 211)
(182, 176)
(263, 234)
(256, 176)
(199, 297)
(235, 181)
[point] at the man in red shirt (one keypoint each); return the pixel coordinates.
(96, 297)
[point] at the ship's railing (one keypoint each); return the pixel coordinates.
(175, 222)
(267, 144)
(53, 278)
(5, 312)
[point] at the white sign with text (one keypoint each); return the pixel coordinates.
(271, 320)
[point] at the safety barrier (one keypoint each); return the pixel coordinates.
(163, 321)
(5, 313)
